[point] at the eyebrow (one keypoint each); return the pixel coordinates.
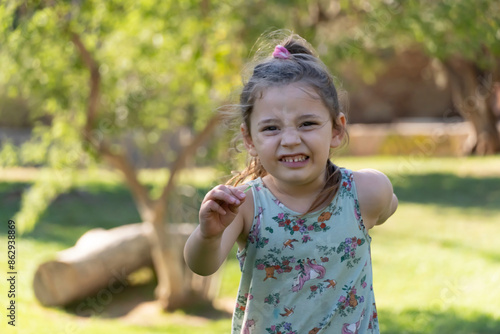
(309, 116)
(267, 121)
(300, 118)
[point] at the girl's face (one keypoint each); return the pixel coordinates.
(291, 131)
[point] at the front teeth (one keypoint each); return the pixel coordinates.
(295, 159)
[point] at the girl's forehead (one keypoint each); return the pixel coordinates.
(292, 100)
(295, 90)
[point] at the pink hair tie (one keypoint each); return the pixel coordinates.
(281, 52)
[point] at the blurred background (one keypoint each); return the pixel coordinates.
(111, 133)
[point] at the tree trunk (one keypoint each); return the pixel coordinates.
(178, 286)
(472, 94)
(173, 279)
(170, 291)
(168, 244)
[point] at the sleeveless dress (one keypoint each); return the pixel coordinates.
(310, 274)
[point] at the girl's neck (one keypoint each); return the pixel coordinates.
(298, 198)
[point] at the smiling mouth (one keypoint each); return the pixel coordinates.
(297, 158)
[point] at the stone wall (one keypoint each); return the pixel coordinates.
(426, 139)
(409, 85)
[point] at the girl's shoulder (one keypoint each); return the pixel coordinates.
(371, 176)
(376, 197)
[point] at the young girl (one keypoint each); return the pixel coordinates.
(301, 223)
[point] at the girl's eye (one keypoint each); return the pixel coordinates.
(308, 124)
(270, 128)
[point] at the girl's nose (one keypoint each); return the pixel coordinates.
(290, 137)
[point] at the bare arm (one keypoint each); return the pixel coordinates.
(221, 224)
(377, 200)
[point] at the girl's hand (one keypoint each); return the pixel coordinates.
(218, 210)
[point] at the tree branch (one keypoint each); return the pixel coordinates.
(139, 192)
(119, 161)
(180, 163)
(94, 82)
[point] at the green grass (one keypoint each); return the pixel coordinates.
(436, 261)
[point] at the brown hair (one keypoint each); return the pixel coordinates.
(305, 67)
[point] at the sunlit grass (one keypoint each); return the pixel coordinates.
(431, 260)
(436, 261)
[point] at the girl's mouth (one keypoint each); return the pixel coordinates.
(296, 159)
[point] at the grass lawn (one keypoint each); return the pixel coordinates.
(436, 261)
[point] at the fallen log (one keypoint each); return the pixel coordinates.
(101, 260)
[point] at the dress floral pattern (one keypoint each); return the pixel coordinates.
(306, 274)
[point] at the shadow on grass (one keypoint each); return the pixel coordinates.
(96, 206)
(113, 304)
(10, 200)
(449, 190)
(73, 213)
(436, 322)
(135, 302)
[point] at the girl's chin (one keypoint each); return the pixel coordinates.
(296, 178)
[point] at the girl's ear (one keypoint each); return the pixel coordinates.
(338, 131)
(247, 140)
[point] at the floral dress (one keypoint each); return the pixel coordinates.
(309, 274)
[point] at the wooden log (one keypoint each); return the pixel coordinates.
(101, 259)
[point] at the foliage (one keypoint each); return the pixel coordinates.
(164, 67)
(8, 155)
(158, 67)
(443, 29)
